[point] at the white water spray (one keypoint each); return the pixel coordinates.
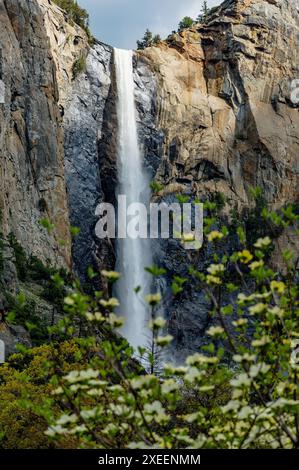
(133, 255)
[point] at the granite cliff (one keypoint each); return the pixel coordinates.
(215, 115)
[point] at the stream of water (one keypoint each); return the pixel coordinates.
(133, 255)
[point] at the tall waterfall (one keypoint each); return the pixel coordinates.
(133, 255)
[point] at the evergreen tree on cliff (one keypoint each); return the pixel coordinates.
(148, 40)
(204, 12)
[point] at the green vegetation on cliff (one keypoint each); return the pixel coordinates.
(37, 297)
(148, 40)
(76, 14)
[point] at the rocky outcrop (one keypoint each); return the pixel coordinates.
(83, 100)
(224, 102)
(38, 49)
(56, 88)
(32, 183)
(84, 131)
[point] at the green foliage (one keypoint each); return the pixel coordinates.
(37, 270)
(24, 384)
(155, 271)
(74, 231)
(54, 291)
(156, 39)
(20, 257)
(74, 12)
(78, 15)
(156, 187)
(79, 66)
(186, 23)
(22, 311)
(219, 200)
(239, 391)
(148, 40)
(45, 223)
(257, 224)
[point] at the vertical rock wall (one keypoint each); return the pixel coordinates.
(32, 183)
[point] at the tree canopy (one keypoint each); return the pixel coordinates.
(148, 40)
(185, 23)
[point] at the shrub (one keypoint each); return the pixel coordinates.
(30, 268)
(77, 15)
(156, 187)
(238, 391)
(20, 257)
(205, 12)
(79, 66)
(24, 384)
(37, 271)
(22, 311)
(186, 23)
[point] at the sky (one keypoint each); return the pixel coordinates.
(121, 22)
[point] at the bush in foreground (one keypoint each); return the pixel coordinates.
(89, 390)
(239, 391)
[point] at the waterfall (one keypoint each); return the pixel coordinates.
(133, 255)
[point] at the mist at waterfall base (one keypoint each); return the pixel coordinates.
(133, 255)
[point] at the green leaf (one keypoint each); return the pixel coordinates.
(45, 223)
(182, 199)
(91, 274)
(75, 231)
(155, 270)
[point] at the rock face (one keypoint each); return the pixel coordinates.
(50, 133)
(34, 85)
(32, 183)
(215, 114)
(224, 102)
(83, 99)
(84, 127)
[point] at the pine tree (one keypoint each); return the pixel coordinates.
(157, 39)
(148, 40)
(204, 12)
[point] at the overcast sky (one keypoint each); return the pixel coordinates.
(121, 22)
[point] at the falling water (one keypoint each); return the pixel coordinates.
(133, 255)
